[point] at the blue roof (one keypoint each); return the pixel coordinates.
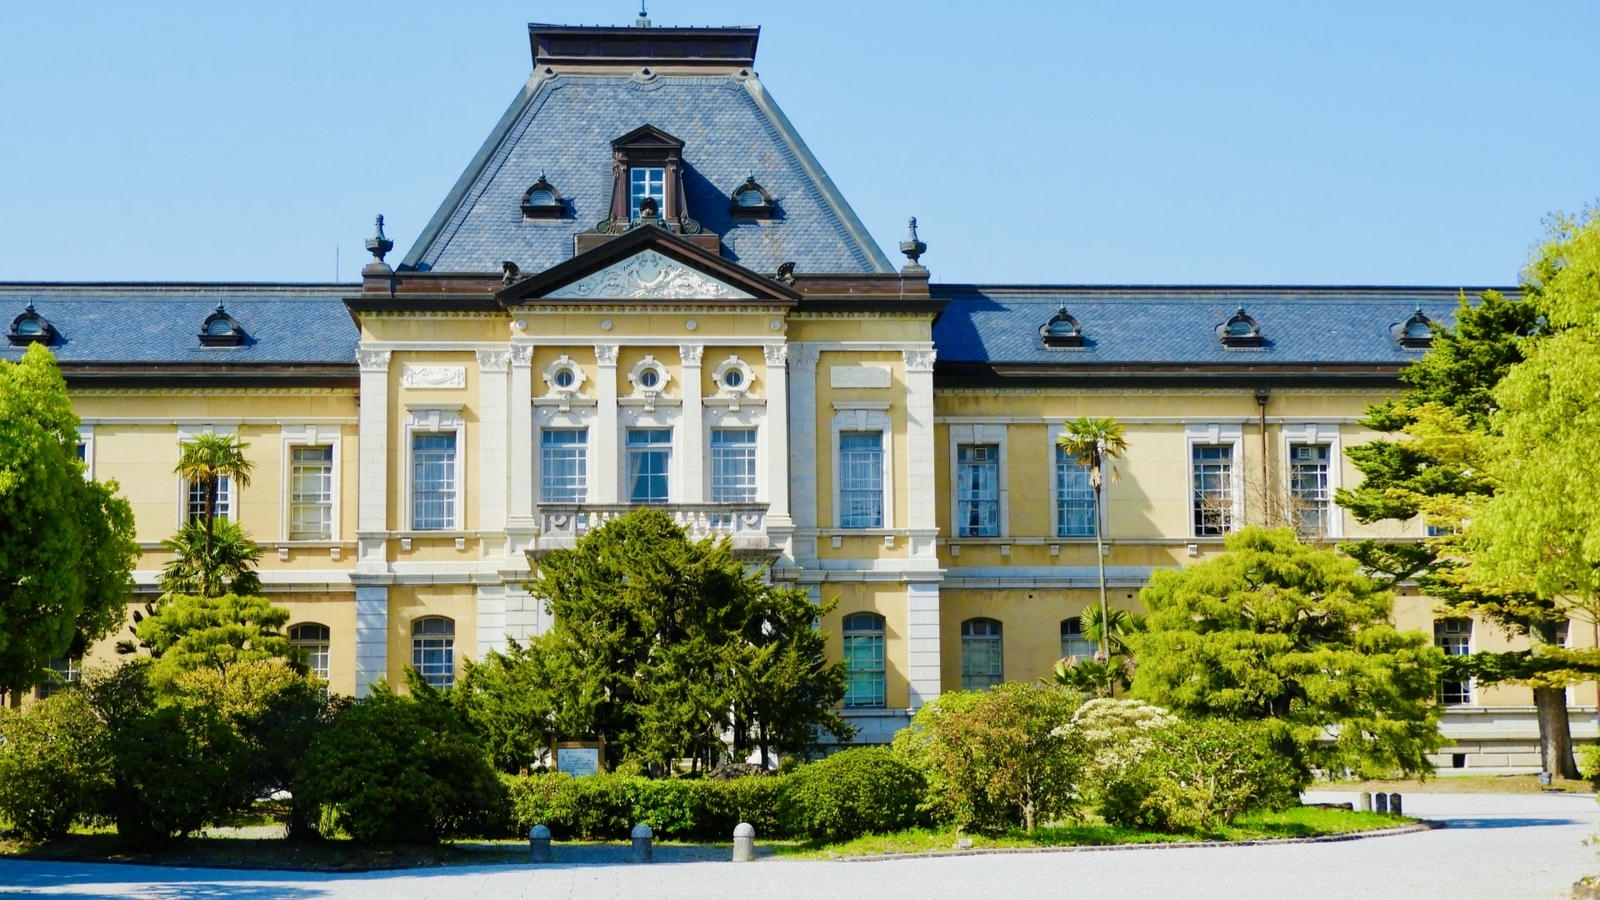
(561, 126)
(156, 323)
(1167, 325)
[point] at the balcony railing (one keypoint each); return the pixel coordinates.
(561, 524)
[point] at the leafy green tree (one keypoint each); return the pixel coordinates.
(189, 632)
(208, 459)
(660, 644)
(1095, 443)
(1277, 631)
(1195, 775)
(509, 700)
(1536, 540)
(1001, 758)
(54, 765)
(67, 544)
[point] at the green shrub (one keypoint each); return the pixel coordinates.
(863, 790)
(1196, 775)
(1589, 763)
(599, 807)
(54, 764)
(402, 769)
(753, 800)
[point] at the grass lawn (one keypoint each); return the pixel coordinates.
(1461, 784)
(1298, 822)
(265, 853)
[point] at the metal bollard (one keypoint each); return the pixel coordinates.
(642, 851)
(539, 843)
(1366, 802)
(744, 842)
(1380, 802)
(1394, 804)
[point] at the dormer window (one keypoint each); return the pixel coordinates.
(543, 201)
(1240, 331)
(31, 328)
(1415, 333)
(646, 169)
(751, 200)
(1061, 331)
(646, 182)
(220, 330)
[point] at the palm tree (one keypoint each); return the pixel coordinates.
(206, 460)
(225, 567)
(1094, 443)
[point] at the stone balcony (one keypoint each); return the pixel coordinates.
(561, 524)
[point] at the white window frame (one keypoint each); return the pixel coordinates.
(309, 645)
(435, 420)
(1315, 433)
(573, 418)
(635, 197)
(881, 634)
(757, 461)
(86, 438)
(1054, 432)
(979, 434)
(189, 433)
(588, 461)
(449, 680)
(1084, 642)
(1214, 434)
(671, 446)
(1442, 630)
(750, 414)
(310, 436)
(864, 416)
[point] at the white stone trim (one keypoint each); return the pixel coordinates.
(922, 642)
(921, 483)
(434, 420)
(309, 436)
(433, 377)
(1315, 433)
(694, 439)
(552, 418)
(494, 452)
(648, 275)
(980, 434)
(864, 417)
(86, 438)
(607, 440)
(521, 452)
(1219, 434)
(372, 636)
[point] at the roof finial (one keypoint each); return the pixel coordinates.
(378, 245)
(912, 246)
(644, 16)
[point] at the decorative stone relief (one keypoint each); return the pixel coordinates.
(444, 377)
(690, 353)
(648, 275)
(776, 354)
(373, 360)
(920, 360)
(493, 360)
(869, 376)
(803, 356)
(605, 354)
(522, 354)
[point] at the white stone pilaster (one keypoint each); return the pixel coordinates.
(372, 636)
(922, 641)
(372, 479)
(776, 434)
(607, 457)
(520, 438)
(493, 452)
(693, 437)
(491, 618)
(524, 614)
(803, 462)
(921, 486)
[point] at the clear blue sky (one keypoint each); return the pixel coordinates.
(1064, 142)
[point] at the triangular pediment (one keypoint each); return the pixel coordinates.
(650, 264)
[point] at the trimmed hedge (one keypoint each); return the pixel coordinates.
(599, 807)
(863, 790)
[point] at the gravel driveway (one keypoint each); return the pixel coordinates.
(1495, 846)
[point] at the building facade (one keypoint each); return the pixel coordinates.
(645, 290)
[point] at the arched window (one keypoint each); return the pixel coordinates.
(982, 660)
(1240, 331)
(1073, 643)
(311, 639)
(863, 660)
(543, 201)
(433, 650)
(1061, 331)
(1416, 333)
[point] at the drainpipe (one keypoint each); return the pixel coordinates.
(1262, 396)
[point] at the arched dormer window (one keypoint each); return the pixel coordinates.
(1061, 331)
(646, 170)
(220, 330)
(1415, 333)
(1240, 331)
(543, 201)
(31, 328)
(751, 201)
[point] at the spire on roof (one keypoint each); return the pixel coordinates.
(379, 246)
(913, 247)
(644, 17)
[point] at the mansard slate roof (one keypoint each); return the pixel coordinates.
(110, 324)
(1129, 325)
(561, 127)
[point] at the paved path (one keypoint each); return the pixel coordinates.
(1497, 846)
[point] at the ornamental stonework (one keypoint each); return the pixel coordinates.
(648, 275)
(441, 377)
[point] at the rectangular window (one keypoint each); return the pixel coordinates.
(1073, 643)
(863, 661)
(564, 465)
(311, 493)
(64, 671)
(1454, 637)
(647, 181)
(649, 456)
(433, 481)
(981, 656)
(1213, 489)
(733, 465)
(1074, 497)
(1308, 489)
(197, 500)
(861, 479)
(978, 490)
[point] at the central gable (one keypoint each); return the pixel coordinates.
(650, 263)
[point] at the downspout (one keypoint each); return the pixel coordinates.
(1262, 396)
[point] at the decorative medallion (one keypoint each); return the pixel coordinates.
(648, 275)
(442, 377)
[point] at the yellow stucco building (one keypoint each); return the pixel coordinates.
(645, 290)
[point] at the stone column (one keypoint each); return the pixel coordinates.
(920, 483)
(776, 434)
(520, 440)
(491, 618)
(804, 461)
(372, 636)
(606, 462)
(693, 439)
(492, 436)
(372, 503)
(922, 641)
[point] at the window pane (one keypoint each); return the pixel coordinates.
(861, 479)
(1074, 497)
(733, 465)
(312, 640)
(1454, 637)
(433, 481)
(1308, 488)
(1213, 489)
(1073, 643)
(311, 493)
(197, 500)
(863, 660)
(649, 457)
(433, 651)
(564, 465)
(978, 490)
(981, 654)
(647, 181)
